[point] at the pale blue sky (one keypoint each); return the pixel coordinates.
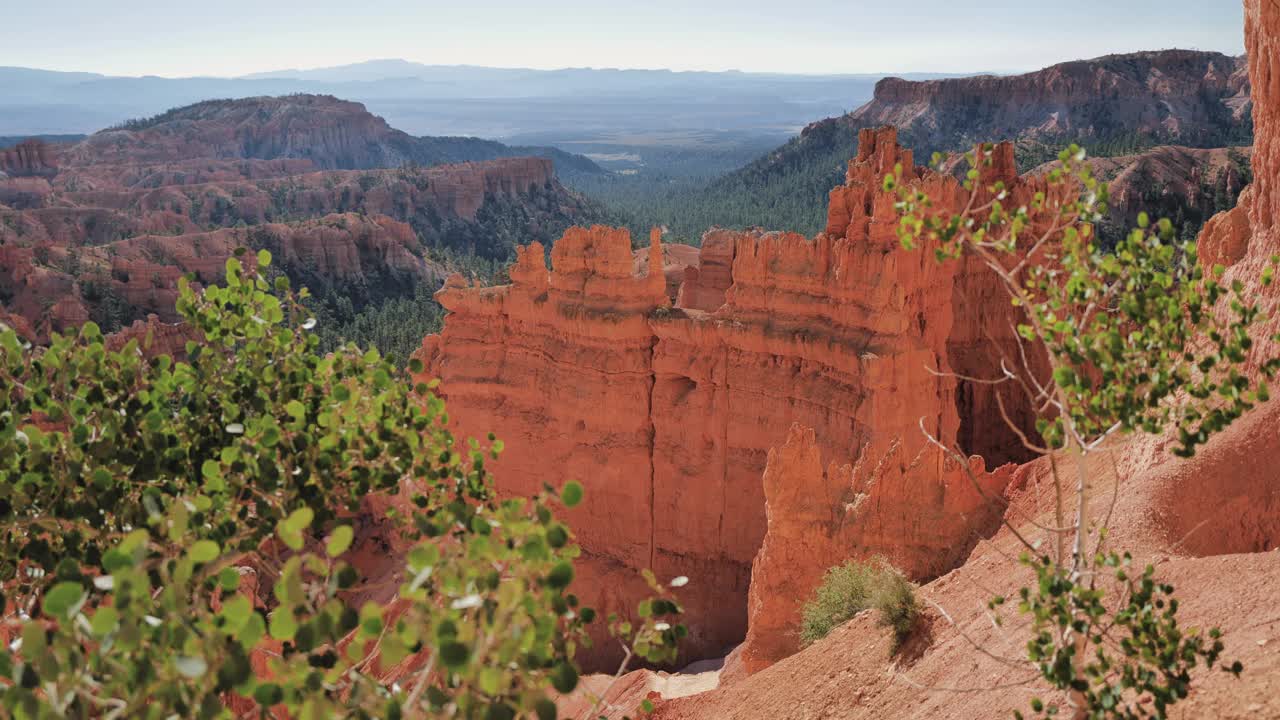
(232, 37)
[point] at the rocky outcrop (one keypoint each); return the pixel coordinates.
(28, 158)
(677, 260)
(1192, 97)
(1187, 185)
(441, 202)
(58, 287)
(668, 414)
(1262, 42)
(1224, 499)
(922, 513)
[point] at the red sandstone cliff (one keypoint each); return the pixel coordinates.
(1210, 525)
(668, 414)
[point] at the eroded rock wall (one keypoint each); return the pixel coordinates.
(668, 413)
(28, 158)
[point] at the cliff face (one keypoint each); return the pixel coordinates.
(668, 414)
(1210, 525)
(914, 510)
(61, 286)
(1262, 43)
(1187, 185)
(1196, 98)
(32, 157)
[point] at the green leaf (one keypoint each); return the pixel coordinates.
(283, 624)
(454, 655)
(564, 678)
(105, 620)
(264, 258)
(572, 493)
(268, 694)
(339, 541)
(299, 519)
(490, 680)
(204, 551)
(229, 579)
(561, 575)
(236, 611)
(423, 556)
(64, 600)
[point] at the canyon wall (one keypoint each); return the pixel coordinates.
(1224, 499)
(1192, 97)
(667, 413)
(102, 230)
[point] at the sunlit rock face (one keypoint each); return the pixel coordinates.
(668, 411)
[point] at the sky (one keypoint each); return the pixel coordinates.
(176, 38)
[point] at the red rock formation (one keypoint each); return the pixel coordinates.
(668, 414)
(18, 324)
(1262, 42)
(922, 513)
(155, 337)
(74, 229)
(128, 210)
(54, 286)
(31, 157)
(1224, 499)
(705, 282)
(677, 260)
(1225, 238)
(85, 207)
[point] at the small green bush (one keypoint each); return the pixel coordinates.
(856, 586)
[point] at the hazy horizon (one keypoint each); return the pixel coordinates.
(816, 37)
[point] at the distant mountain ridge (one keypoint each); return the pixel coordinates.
(1194, 98)
(333, 134)
(453, 99)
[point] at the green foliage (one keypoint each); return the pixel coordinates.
(136, 495)
(1139, 337)
(1134, 661)
(848, 589)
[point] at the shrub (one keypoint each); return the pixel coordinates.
(136, 494)
(856, 586)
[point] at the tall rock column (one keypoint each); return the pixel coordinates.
(1262, 43)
